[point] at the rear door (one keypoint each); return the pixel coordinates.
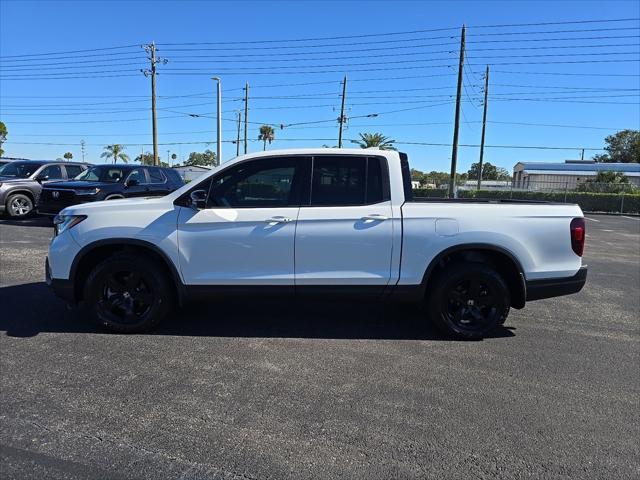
(158, 184)
(344, 235)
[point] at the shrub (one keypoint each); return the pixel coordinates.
(588, 201)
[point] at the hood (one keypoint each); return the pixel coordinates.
(118, 206)
(74, 185)
(15, 180)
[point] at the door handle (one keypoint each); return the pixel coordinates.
(375, 217)
(278, 220)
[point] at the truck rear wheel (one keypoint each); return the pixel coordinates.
(129, 293)
(468, 300)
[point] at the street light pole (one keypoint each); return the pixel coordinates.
(219, 121)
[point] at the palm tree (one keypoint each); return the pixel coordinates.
(266, 135)
(368, 140)
(68, 156)
(116, 152)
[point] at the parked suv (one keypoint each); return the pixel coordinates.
(21, 182)
(109, 182)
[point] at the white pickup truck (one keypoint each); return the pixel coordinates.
(328, 222)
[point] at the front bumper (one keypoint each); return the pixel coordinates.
(556, 287)
(61, 288)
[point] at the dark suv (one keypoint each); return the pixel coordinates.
(21, 182)
(108, 182)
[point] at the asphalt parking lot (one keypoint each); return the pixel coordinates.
(296, 391)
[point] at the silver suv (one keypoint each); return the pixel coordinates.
(21, 182)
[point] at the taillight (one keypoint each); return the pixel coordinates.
(578, 235)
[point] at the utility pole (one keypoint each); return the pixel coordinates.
(168, 158)
(484, 125)
(341, 120)
(456, 126)
(151, 50)
(238, 137)
(582, 155)
(246, 116)
(82, 144)
(219, 121)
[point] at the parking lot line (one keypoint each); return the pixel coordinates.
(592, 219)
(631, 218)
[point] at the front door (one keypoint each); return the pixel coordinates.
(245, 235)
(344, 237)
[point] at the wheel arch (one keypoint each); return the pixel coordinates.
(95, 252)
(23, 191)
(504, 261)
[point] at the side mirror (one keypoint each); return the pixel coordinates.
(199, 199)
(42, 178)
(132, 182)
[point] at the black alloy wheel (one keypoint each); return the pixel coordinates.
(469, 300)
(130, 292)
(126, 297)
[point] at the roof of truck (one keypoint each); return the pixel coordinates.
(315, 151)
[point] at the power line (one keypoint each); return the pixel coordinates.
(588, 74)
(71, 51)
(292, 127)
(411, 32)
(100, 60)
(66, 57)
(105, 49)
(554, 125)
(54, 70)
(617, 29)
(397, 142)
(180, 60)
(396, 41)
(237, 70)
(80, 77)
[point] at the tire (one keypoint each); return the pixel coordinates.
(468, 300)
(19, 205)
(129, 293)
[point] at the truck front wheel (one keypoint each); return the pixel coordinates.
(468, 300)
(129, 293)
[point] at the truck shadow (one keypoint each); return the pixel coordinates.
(30, 309)
(30, 221)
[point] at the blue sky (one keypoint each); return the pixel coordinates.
(116, 109)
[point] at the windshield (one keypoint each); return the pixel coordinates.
(19, 169)
(102, 173)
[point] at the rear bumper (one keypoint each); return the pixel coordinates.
(556, 287)
(62, 288)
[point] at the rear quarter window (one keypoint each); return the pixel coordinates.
(73, 170)
(156, 176)
(174, 177)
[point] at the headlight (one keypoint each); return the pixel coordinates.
(65, 222)
(92, 191)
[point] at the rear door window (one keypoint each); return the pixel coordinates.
(348, 180)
